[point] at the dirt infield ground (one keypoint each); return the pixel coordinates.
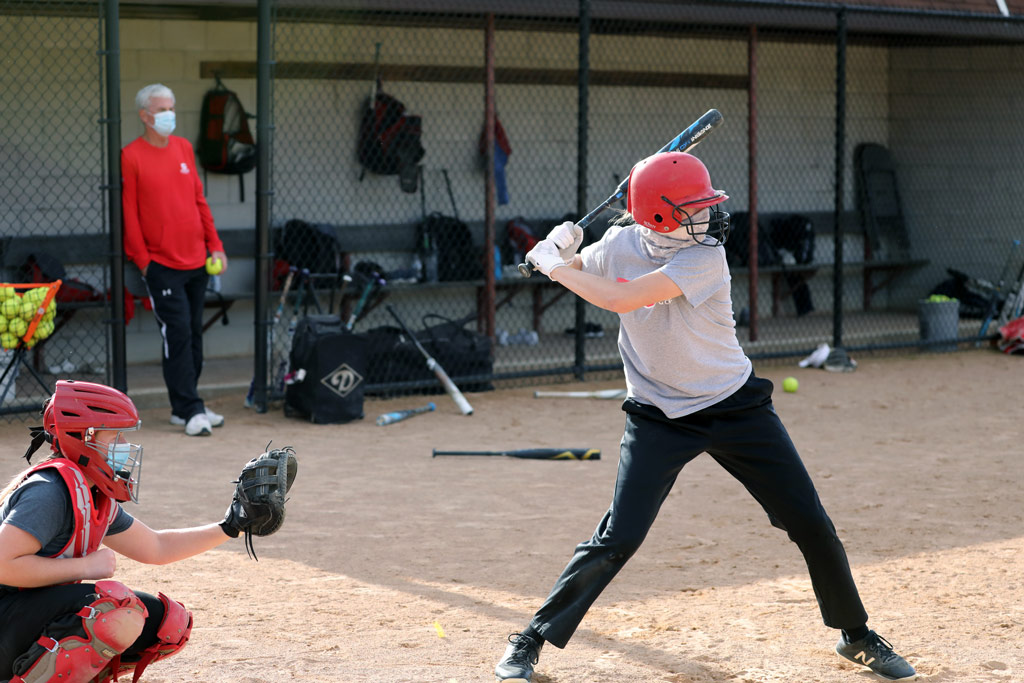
(394, 566)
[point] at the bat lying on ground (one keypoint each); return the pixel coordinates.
(603, 393)
(689, 138)
(435, 367)
(399, 415)
(536, 453)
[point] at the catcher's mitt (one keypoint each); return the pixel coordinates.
(257, 508)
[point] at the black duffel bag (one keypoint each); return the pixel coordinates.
(394, 359)
(328, 364)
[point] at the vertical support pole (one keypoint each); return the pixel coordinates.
(489, 188)
(582, 127)
(112, 48)
(837, 272)
(752, 250)
(264, 142)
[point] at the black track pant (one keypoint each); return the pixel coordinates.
(24, 616)
(178, 297)
(745, 436)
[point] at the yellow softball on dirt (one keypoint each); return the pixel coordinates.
(11, 307)
(8, 340)
(790, 384)
(17, 326)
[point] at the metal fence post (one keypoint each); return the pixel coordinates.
(263, 193)
(583, 96)
(112, 50)
(837, 273)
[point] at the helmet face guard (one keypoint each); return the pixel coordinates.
(71, 419)
(716, 229)
(122, 457)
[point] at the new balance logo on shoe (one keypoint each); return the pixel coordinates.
(863, 657)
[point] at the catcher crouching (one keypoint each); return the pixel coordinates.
(62, 618)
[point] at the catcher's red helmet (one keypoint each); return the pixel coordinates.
(72, 416)
(667, 189)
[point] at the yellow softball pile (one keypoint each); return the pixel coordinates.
(17, 310)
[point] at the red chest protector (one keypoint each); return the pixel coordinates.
(91, 521)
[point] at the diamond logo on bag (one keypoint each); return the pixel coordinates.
(342, 380)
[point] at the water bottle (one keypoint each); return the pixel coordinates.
(429, 259)
(417, 267)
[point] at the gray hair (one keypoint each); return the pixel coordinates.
(143, 97)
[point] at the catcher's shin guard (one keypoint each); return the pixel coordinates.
(75, 648)
(171, 636)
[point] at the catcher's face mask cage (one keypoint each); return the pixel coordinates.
(78, 408)
(712, 233)
(123, 458)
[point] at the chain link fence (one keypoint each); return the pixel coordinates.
(52, 204)
(882, 141)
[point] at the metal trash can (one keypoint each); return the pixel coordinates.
(940, 321)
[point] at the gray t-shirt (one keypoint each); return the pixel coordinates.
(42, 507)
(680, 355)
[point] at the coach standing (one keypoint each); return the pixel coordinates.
(168, 233)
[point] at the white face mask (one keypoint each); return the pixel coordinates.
(163, 123)
(117, 455)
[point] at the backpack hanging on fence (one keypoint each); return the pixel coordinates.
(390, 140)
(226, 144)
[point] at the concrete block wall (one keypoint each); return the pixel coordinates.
(956, 142)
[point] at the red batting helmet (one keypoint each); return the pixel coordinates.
(72, 416)
(667, 189)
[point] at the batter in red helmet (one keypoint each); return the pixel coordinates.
(62, 618)
(691, 390)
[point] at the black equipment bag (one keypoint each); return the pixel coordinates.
(463, 353)
(457, 257)
(331, 363)
(451, 239)
(737, 247)
(794, 233)
(310, 246)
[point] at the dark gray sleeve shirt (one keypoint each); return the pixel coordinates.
(41, 506)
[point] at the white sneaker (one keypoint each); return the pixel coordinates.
(216, 420)
(198, 425)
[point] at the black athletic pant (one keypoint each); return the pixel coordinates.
(24, 616)
(178, 297)
(745, 436)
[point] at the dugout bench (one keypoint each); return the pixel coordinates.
(876, 271)
(392, 247)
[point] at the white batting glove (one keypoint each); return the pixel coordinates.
(567, 237)
(545, 257)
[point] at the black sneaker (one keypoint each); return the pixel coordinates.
(875, 652)
(516, 666)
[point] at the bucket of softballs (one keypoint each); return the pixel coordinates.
(939, 318)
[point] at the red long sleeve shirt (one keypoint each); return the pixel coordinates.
(166, 217)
